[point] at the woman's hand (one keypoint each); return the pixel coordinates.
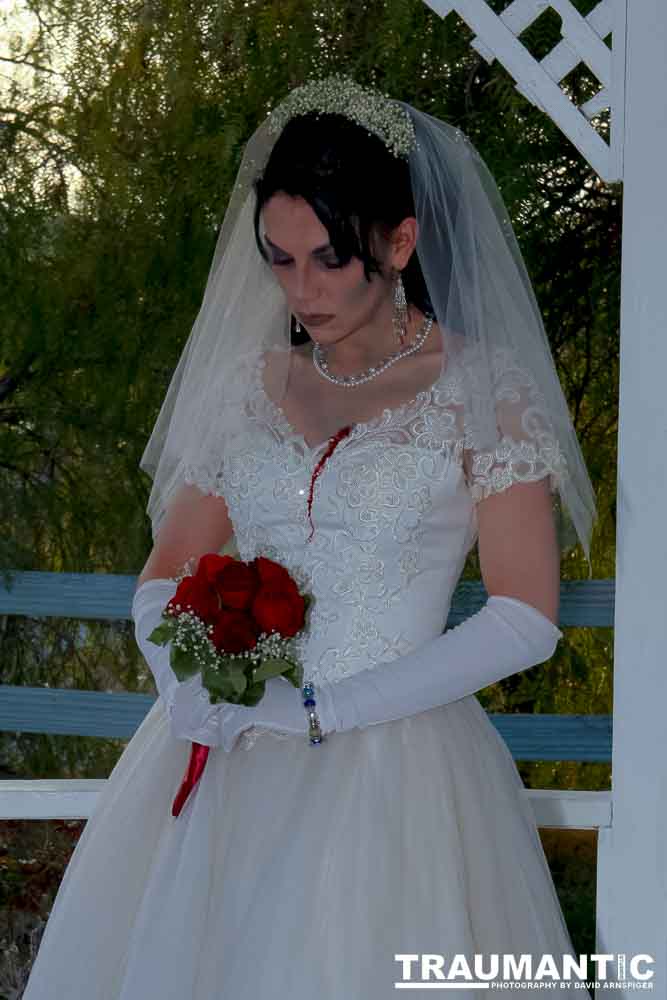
(193, 717)
(280, 709)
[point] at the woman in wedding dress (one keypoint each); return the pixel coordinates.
(366, 393)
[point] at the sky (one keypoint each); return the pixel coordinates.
(13, 20)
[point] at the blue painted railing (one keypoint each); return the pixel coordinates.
(117, 715)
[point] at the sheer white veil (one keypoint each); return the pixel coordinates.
(483, 303)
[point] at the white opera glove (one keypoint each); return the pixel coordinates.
(280, 708)
(504, 637)
(188, 705)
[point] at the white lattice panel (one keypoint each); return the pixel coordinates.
(541, 81)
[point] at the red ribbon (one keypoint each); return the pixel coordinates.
(198, 758)
(333, 441)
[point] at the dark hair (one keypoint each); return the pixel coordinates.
(353, 184)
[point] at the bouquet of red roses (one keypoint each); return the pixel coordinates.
(235, 622)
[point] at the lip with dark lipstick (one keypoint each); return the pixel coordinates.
(314, 319)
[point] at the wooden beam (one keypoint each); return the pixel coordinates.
(108, 596)
(119, 715)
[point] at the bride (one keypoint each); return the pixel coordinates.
(366, 393)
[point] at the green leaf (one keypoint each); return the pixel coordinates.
(271, 668)
(229, 683)
(216, 683)
(225, 663)
(238, 679)
(254, 694)
(163, 633)
(183, 664)
(295, 675)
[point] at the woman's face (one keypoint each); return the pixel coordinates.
(330, 301)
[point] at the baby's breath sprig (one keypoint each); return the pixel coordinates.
(191, 637)
(270, 645)
(339, 94)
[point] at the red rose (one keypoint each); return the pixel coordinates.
(211, 565)
(273, 573)
(280, 609)
(234, 632)
(193, 592)
(237, 583)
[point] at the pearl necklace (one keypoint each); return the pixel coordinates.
(349, 381)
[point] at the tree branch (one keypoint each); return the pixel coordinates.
(32, 65)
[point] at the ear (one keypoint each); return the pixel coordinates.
(403, 241)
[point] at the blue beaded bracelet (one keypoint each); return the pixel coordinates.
(314, 731)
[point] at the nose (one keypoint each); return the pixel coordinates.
(305, 289)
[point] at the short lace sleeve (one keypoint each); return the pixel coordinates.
(526, 449)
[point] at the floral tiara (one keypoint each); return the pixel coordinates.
(340, 95)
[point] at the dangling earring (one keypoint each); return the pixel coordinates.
(298, 326)
(400, 317)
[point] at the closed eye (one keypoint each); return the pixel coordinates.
(321, 254)
(329, 265)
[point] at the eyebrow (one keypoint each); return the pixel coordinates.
(317, 252)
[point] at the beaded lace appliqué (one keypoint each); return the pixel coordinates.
(527, 456)
(249, 737)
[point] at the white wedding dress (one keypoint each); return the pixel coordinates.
(299, 871)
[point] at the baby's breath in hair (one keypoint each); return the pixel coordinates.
(340, 95)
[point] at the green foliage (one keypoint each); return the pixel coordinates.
(227, 686)
(182, 663)
(164, 632)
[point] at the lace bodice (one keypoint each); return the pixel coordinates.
(393, 510)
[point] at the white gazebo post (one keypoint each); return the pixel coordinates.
(633, 906)
(632, 852)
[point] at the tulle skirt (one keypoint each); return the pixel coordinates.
(297, 872)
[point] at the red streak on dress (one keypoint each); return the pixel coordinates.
(333, 441)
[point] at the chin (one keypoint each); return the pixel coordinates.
(321, 330)
(326, 334)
